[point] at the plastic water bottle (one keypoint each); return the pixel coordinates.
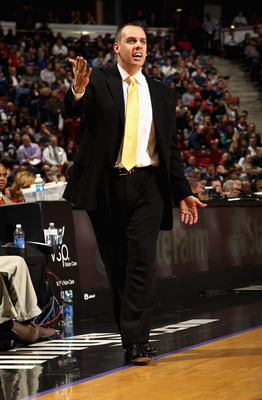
(68, 315)
(19, 237)
(52, 237)
(39, 188)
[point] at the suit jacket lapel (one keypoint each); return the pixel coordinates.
(156, 105)
(114, 83)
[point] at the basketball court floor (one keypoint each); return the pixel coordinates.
(209, 347)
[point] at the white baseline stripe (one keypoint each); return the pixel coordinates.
(22, 362)
(58, 345)
(55, 353)
(18, 366)
(30, 356)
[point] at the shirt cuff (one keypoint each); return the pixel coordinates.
(77, 95)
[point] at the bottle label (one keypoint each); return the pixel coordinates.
(19, 242)
(68, 310)
(39, 187)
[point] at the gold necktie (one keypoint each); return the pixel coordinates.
(131, 126)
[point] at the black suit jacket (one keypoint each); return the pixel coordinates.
(103, 108)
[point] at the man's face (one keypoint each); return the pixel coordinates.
(53, 142)
(217, 186)
(131, 49)
(26, 141)
(3, 178)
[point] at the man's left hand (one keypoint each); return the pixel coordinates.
(188, 209)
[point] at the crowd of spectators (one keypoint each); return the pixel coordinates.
(217, 141)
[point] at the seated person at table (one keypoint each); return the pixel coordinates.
(18, 303)
(3, 183)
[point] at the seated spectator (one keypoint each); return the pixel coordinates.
(246, 158)
(47, 75)
(223, 123)
(44, 96)
(23, 180)
(13, 146)
(28, 151)
(69, 79)
(251, 129)
(217, 184)
(18, 305)
(11, 83)
(197, 174)
(196, 186)
(222, 172)
(168, 69)
(237, 180)
(197, 140)
(6, 135)
(232, 44)
(188, 96)
(53, 106)
(252, 146)
(236, 150)
(220, 88)
(53, 154)
(257, 185)
(3, 183)
(198, 79)
(9, 112)
(250, 53)
(195, 104)
(246, 185)
(25, 85)
(227, 138)
(241, 123)
(257, 161)
(192, 164)
(210, 173)
(239, 19)
(208, 92)
(250, 173)
(188, 130)
(59, 48)
(32, 99)
(89, 18)
(44, 134)
(156, 74)
(200, 112)
(229, 188)
(229, 164)
(184, 45)
(212, 138)
(232, 111)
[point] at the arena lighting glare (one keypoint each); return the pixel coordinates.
(232, 26)
(179, 9)
(84, 33)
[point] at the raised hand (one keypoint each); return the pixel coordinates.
(81, 73)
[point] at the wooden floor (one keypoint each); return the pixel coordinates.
(209, 348)
(226, 369)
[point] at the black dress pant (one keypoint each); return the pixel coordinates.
(126, 225)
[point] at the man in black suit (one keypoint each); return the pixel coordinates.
(128, 206)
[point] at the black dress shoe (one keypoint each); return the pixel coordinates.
(136, 354)
(148, 348)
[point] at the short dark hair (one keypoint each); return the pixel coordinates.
(118, 34)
